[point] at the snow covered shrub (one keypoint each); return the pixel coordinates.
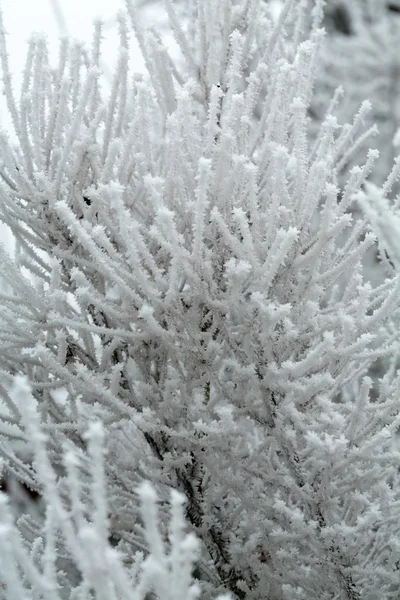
(360, 61)
(75, 533)
(188, 274)
(361, 57)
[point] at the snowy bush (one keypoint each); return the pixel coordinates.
(360, 57)
(187, 273)
(76, 532)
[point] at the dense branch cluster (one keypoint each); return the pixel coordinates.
(188, 273)
(360, 57)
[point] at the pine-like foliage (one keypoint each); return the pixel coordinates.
(187, 272)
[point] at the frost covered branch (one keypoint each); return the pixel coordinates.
(188, 272)
(75, 531)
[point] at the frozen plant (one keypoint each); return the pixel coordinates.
(385, 222)
(188, 273)
(75, 533)
(360, 60)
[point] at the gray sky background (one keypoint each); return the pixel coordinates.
(22, 17)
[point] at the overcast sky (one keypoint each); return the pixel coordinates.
(24, 16)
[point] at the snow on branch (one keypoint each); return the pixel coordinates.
(76, 528)
(384, 220)
(189, 271)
